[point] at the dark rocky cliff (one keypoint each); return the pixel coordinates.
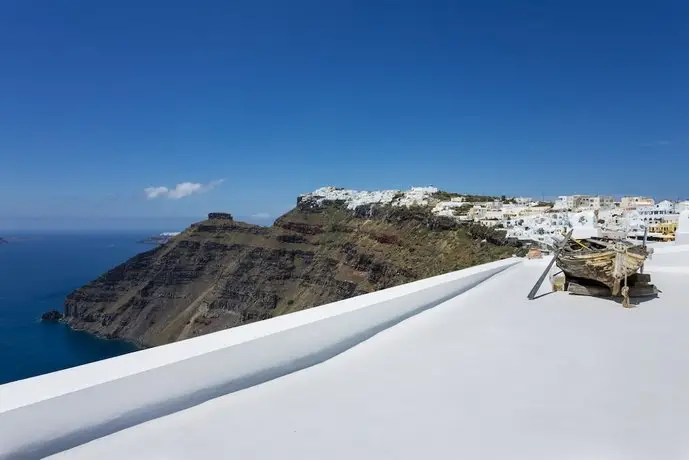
(221, 273)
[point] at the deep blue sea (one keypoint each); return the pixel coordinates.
(37, 271)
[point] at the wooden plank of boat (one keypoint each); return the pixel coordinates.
(648, 290)
(589, 265)
(588, 289)
(595, 290)
(639, 278)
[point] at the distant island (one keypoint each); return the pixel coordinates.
(161, 238)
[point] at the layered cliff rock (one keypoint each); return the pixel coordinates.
(221, 273)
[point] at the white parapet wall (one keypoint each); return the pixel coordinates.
(54, 412)
(682, 233)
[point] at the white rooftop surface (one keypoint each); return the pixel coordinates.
(488, 374)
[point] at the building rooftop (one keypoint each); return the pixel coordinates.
(487, 374)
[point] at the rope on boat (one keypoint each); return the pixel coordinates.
(625, 294)
(620, 261)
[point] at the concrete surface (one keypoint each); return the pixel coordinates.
(486, 375)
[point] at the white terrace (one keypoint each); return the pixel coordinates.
(456, 366)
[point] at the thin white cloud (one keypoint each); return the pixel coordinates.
(261, 215)
(155, 192)
(658, 144)
(184, 189)
(180, 190)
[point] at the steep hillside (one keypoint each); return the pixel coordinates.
(221, 273)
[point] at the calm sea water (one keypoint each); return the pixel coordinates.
(36, 273)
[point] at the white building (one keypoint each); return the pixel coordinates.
(543, 228)
(603, 202)
(522, 200)
(497, 204)
(665, 205)
(594, 202)
(477, 212)
(662, 212)
(496, 214)
(564, 202)
(510, 211)
(584, 202)
(633, 202)
(533, 210)
(489, 222)
(682, 206)
(447, 208)
(682, 234)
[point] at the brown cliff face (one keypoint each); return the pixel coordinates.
(221, 273)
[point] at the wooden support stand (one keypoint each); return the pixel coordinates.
(639, 286)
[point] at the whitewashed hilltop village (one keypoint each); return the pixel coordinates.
(527, 219)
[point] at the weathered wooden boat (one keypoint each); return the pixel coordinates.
(609, 262)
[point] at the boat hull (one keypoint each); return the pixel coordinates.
(609, 267)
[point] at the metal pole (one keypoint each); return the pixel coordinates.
(641, 270)
(534, 289)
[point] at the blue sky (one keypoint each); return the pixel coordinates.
(253, 102)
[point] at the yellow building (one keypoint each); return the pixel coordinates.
(667, 229)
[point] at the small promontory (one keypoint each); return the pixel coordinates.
(51, 316)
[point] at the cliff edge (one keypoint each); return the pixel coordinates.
(221, 273)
